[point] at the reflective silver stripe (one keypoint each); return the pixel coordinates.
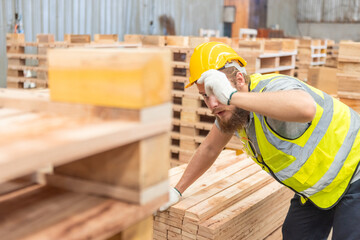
(340, 157)
(263, 83)
(301, 153)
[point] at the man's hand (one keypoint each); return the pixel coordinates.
(174, 197)
(218, 84)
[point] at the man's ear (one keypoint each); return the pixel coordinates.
(240, 79)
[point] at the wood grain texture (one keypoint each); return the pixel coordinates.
(234, 199)
(126, 78)
(51, 213)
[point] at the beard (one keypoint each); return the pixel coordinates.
(238, 119)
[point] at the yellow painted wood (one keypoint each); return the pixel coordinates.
(126, 78)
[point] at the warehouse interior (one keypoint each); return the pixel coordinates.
(102, 122)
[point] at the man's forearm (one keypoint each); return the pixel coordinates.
(201, 161)
(292, 106)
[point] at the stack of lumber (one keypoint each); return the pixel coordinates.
(332, 54)
(234, 199)
(268, 55)
(348, 76)
(311, 52)
(324, 78)
(105, 131)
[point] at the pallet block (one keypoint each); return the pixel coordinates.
(154, 40)
(177, 41)
(105, 38)
(15, 38)
(45, 38)
(144, 72)
(136, 172)
(133, 38)
(77, 38)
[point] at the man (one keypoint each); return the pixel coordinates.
(301, 136)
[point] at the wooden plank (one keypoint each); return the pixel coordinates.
(25, 56)
(50, 213)
(40, 102)
(228, 197)
(239, 171)
(276, 235)
(219, 226)
(59, 147)
(16, 184)
(126, 78)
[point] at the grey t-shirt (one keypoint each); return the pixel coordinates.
(289, 130)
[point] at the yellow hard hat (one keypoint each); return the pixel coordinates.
(211, 55)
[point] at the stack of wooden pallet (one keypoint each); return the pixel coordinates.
(332, 54)
(268, 55)
(348, 76)
(106, 134)
(311, 52)
(19, 59)
(192, 120)
(234, 199)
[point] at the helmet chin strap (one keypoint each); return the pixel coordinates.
(236, 65)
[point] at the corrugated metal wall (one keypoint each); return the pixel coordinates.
(336, 11)
(120, 17)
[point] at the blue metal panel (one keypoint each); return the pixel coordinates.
(120, 17)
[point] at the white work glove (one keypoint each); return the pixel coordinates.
(174, 197)
(218, 84)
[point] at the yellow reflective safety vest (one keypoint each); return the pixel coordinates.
(319, 164)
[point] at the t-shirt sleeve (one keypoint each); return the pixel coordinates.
(289, 130)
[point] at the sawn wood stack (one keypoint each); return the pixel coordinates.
(234, 199)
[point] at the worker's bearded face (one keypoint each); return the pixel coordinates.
(238, 119)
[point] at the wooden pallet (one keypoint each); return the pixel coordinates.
(332, 54)
(99, 152)
(17, 56)
(311, 52)
(348, 75)
(234, 199)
